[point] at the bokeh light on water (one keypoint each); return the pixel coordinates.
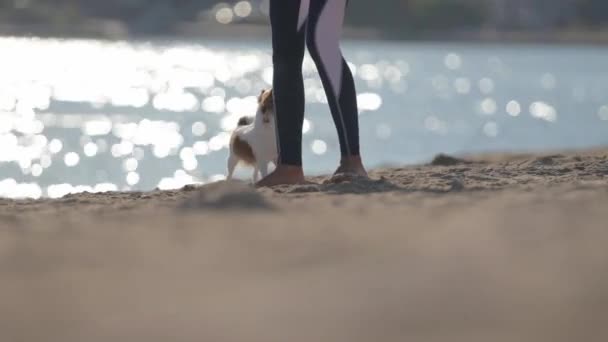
(87, 115)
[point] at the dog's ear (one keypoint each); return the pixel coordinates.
(260, 96)
(266, 101)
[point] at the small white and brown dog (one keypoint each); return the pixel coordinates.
(253, 142)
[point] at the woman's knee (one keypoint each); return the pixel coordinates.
(288, 56)
(311, 43)
(314, 46)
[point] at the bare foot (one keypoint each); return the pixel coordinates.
(351, 165)
(282, 175)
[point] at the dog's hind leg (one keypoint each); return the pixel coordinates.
(255, 174)
(232, 162)
(263, 169)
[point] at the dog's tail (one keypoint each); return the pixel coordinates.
(244, 121)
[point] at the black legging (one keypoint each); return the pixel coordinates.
(319, 24)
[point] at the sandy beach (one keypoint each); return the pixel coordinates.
(496, 247)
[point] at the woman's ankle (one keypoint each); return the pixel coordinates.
(351, 164)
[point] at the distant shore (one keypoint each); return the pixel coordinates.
(115, 31)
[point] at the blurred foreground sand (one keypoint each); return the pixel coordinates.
(491, 248)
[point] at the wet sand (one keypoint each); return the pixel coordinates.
(479, 248)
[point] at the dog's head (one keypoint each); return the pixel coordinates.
(266, 106)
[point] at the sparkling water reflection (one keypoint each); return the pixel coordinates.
(87, 115)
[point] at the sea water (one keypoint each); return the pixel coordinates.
(92, 115)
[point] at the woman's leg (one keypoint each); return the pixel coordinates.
(324, 28)
(288, 86)
(288, 22)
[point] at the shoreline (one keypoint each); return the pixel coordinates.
(444, 174)
(114, 31)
